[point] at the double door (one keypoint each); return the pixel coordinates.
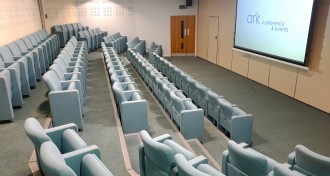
(183, 35)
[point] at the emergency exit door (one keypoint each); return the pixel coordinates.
(183, 35)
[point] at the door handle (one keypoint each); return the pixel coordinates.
(185, 32)
(188, 32)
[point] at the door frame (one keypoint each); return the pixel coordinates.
(208, 37)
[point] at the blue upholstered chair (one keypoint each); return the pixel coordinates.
(132, 108)
(156, 155)
(87, 39)
(284, 170)
(83, 162)
(26, 64)
(16, 82)
(82, 27)
(65, 99)
(185, 83)
(213, 107)
(69, 31)
(6, 110)
(160, 90)
(195, 167)
(42, 50)
(235, 121)
(47, 43)
(202, 97)
(44, 45)
(187, 116)
(308, 162)
(93, 38)
(24, 49)
(64, 137)
(178, 78)
(168, 88)
(192, 89)
(239, 159)
(63, 35)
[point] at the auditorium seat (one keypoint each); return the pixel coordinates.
(178, 78)
(82, 162)
(184, 83)
(156, 155)
(202, 97)
(16, 81)
(87, 39)
(63, 35)
(192, 89)
(65, 99)
(307, 162)
(187, 116)
(65, 137)
(40, 48)
(6, 109)
(26, 65)
(213, 107)
(195, 167)
(235, 122)
(239, 159)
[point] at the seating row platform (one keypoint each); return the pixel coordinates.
(188, 118)
(137, 45)
(132, 108)
(117, 41)
(228, 117)
(66, 31)
(22, 64)
(66, 81)
(154, 49)
(61, 151)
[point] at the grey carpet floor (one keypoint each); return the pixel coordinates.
(280, 122)
(15, 147)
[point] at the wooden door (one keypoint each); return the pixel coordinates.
(212, 45)
(182, 34)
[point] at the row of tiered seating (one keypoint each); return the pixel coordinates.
(137, 45)
(117, 41)
(66, 31)
(66, 81)
(154, 49)
(185, 114)
(93, 37)
(26, 59)
(61, 151)
(228, 117)
(133, 110)
(162, 155)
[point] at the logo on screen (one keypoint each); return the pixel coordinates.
(253, 19)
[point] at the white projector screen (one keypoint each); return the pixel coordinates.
(274, 28)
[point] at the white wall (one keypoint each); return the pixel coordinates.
(311, 87)
(147, 19)
(18, 18)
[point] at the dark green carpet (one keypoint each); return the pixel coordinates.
(280, 122)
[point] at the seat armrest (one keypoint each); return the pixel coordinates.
(198, 160)
(162, 138)
(56, 133)
(179, 149)
(129, 93)
(291, 158)
(225, 160)
(73, 159)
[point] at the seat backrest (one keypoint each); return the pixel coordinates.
(202, 90)
(58, 70)
(248, 162)
(177, 102)
(82, 34)
(14, 49)
(159, 155)
(192, 83)
(87, 33)
(309, 162)
(185, 168)
(22, 46)
(116, 87)
(106, 39)
(91, 165)
(212, 98)
(52, 162)
(57, 28)
(74, 25)
(6, 54)
(33, 40)
(52, 81)
(64, 27)
(226, 108)
(28, 42)
(36, 36)
(35, 133)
